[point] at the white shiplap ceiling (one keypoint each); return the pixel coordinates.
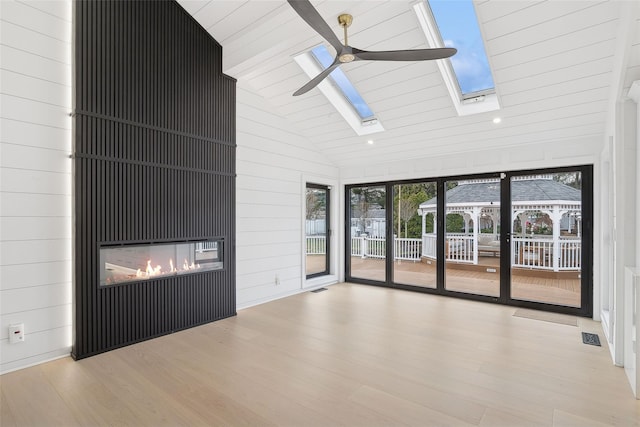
(556, 65)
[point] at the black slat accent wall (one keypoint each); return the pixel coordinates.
(154, 132)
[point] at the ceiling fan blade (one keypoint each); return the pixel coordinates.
(305, 9)
(405, 55)
(317, 79)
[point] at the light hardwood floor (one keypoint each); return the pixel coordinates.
(353, 355)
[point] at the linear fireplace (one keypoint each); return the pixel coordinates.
(154, 175)
(139, 262)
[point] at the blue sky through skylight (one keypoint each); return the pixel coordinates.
(458, 27)
(324, 57)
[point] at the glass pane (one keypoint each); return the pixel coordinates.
(344, 84)
(546, 238)
(316, 225)
(139, 262)
(368, 230)
(414, 213)
(458, 26)
(472, 236)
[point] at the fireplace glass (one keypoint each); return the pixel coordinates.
(140, 262)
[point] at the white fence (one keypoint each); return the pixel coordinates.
(316, 245)
(373, 247)
(546, 254)
(534, 253)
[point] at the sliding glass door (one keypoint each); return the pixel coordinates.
(317, 230)
(547, 238)
(414, 234)
(367, 232)
(472, 236)
(519, 238)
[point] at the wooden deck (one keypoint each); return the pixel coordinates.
(527, 284)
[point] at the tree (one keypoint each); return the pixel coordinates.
(572, 179)
(407, 200)
(363, 200)
(454, 223)
(316, 203)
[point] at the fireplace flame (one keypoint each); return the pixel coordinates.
(149, 269)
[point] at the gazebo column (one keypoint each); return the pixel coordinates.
(424, 232)
(556, 217)
(475, 217)
(435, 231)
(523, 223)
(495, 219)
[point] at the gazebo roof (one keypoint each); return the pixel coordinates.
(536, 189)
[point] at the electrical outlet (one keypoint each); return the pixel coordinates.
(16, 333)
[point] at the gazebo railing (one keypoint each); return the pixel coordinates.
(458, 247)
(532, 253)
(570, 254)
(527, 252)
(540, 253)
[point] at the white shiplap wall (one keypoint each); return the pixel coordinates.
(35, 180)
(272, 163)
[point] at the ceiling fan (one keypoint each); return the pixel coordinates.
(346, 53)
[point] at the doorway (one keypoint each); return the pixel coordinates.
(317, 230)
(521, 238)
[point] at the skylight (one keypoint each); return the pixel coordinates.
(340, 92)
(458, 27)
(353, 96)
(467, 74)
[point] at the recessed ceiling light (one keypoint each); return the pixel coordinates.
(370, 142)
(497, 120)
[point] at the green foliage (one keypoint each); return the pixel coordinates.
(368, 197)
(489, 230)
(455, 223)
(406, 201)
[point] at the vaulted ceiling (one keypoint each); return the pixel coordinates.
(557, 66)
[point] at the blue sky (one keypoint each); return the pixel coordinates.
(458, 26)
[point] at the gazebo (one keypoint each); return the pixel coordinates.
(545, 228)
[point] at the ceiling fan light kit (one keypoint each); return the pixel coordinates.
(346, 53)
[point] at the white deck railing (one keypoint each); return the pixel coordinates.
(406, 248)
(570, 254)
(375, 247)
(316, 245)
(534, 253)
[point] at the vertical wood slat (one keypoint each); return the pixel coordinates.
(146, 72)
